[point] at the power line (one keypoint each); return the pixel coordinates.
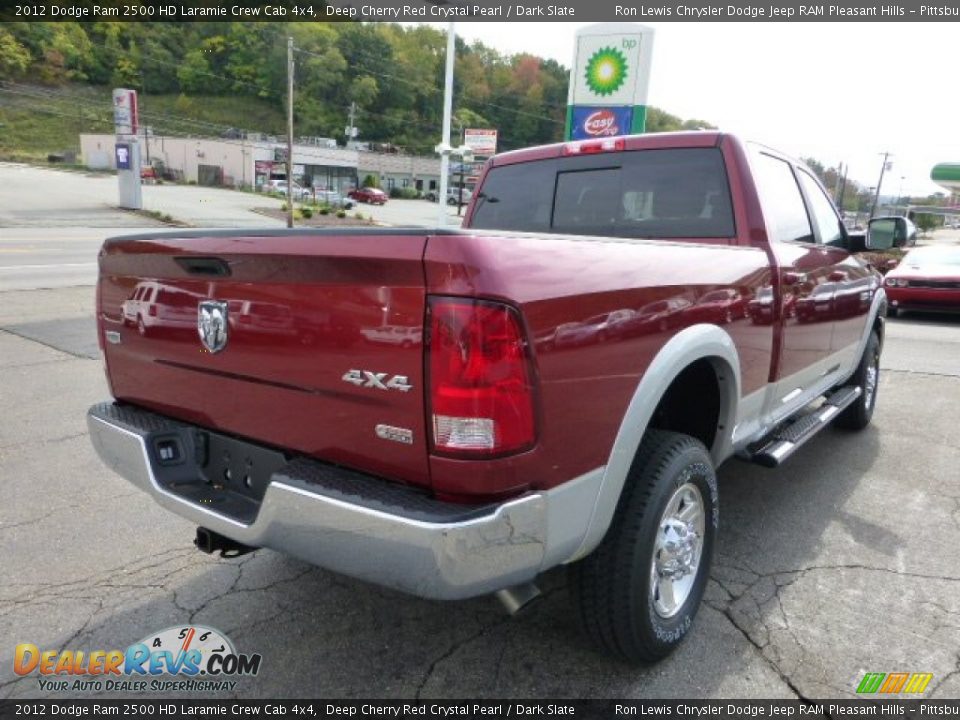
(434, 91)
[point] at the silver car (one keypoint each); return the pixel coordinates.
(334, 199)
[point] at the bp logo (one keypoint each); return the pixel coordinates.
(606, 71)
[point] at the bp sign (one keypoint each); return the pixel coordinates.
(608, 84)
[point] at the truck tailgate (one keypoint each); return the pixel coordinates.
(319, 325)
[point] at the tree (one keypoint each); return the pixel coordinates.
(926, 222)
(14, 57)
(363, 91)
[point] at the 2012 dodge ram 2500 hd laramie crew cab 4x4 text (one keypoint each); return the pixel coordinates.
(453, 412)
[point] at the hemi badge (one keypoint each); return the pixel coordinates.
(400, 435)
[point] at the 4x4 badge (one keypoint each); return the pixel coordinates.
(368, 379)
(212, 324)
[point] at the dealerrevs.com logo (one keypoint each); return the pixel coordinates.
(191, 658)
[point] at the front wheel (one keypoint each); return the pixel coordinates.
(638, 593)
(858, 415)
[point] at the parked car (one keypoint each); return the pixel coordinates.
(280, 186)
(721, 306)
(594, 329)
(476, 460)
(928, 278)
(334, 199)
(453, 196)
(402, 335)
(153, 306)
(373, 196)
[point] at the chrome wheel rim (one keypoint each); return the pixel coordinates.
(677, 550)
(870, 382)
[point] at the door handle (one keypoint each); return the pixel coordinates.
(204, 266)
(794, 278)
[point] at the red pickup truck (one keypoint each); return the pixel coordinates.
(454, 412)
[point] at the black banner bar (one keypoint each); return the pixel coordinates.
(480, 10)
(479, 709)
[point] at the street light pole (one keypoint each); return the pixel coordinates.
(876, 197)
(289, 132)
(444, 147)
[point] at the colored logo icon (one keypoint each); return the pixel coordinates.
(606, 71)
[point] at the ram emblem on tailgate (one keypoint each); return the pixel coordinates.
(367, 379)
(212, 324)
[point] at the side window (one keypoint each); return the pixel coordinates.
(782, 200)
(824, 216)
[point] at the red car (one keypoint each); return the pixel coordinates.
(928, 278)
(373, 196)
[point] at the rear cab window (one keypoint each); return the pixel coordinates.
(674, 193)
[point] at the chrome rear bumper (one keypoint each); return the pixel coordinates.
(357, 525)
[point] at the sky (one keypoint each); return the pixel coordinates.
(837, 92)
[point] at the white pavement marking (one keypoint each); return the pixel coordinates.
(46, 267)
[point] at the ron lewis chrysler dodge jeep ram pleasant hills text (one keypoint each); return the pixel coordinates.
(453, 412)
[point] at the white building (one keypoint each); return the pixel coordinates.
(251, 163)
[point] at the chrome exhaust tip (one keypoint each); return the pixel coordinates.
(515, 598)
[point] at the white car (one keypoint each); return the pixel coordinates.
(454, 197)
(334, 199)
(403, 335)
(280, 186)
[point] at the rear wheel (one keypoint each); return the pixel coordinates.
(858, 415)
(638, 593)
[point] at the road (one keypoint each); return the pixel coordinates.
(52, 223)
(844, 561)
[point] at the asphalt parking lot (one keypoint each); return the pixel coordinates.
(842, 562)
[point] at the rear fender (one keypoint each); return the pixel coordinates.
(694, 343)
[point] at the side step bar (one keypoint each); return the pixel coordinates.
(791, 434)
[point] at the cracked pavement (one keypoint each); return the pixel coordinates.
(842, 562)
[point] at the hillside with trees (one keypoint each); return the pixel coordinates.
(206, 78)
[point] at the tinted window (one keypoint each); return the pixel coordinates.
(782, 201)
(644, 193)
(824, 216)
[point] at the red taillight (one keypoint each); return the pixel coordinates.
(481, 382)
(587, 147)
(152, 311)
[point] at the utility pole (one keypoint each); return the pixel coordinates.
(351, 129)
(876, 197)
(289, 132)
(843, 188)
(146, 128)
(444, 147)
(836, 187)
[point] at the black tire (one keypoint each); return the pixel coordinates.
(892, 311)
(859, 414)
(612, 587)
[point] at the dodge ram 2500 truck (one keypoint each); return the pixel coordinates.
(453, 412)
